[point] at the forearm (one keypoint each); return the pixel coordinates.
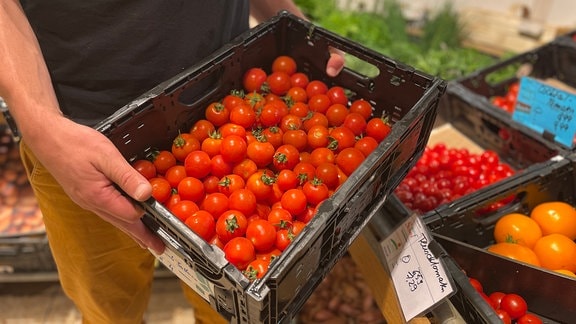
(24, 82)
(261, 10)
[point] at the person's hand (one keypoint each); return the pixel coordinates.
(88, 165)
(335, 62)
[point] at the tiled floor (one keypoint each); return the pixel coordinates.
(45, 303)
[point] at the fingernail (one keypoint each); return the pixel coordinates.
(331, 71)
(141, 191)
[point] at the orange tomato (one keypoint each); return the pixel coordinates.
(566, 273)
(517, 228)
(556, 217)
(556, 251)
(516, 252)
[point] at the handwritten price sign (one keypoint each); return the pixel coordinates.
(419, 277)
(546, 109)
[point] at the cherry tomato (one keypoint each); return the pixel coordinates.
(161, 189)
(239, 251)
(294, 201)
(319, 103)
(496, 298)
(285, 64)
(314, 118)
(299, 79)
(211, 145)
(184, 209)
(219, 167)
(233, 148)
(230, 183)
(262, 234)
(504, 316)
(366, 145)
(284, 237)
(191, 188)
(279, 82)
(242, 200)
(299, 109)
(197, 164)
(337, 95)
(327, 173)
(257, 269)
(217, 114)
(529, 318)
(287, 179)
(315, 191)
(202, 129)
(322, 155)
(304, 171)
(231, 224)
(349, 159)
(279, 217)
(232, 129)
(363, 107)
(145, 167)
(343, 137)
(336, 114)
(183, 144)
(315, 87)
(286, 157)
(273, 135)
(269, 115)
(216, 203)
(476, 284)
(296, 95)
(378, 128)
(245, 168)
(261, 184)
(262, 153)
(514, 305)
(202, 223)
(253, 79)
(175, 174)
(318, 136)
(163, 160)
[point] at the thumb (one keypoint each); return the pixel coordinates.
(335, 62)
(131, 181)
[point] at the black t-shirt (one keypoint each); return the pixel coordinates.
(104, 53)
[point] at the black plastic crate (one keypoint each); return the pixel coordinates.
(465, 231)
(554, 60)
(408, 96)
(26, 254)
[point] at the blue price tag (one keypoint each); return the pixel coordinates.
(546, 109)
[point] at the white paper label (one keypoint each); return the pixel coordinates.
(182, 270)
(419, 278)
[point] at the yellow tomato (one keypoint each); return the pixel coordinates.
(555, 217)
(516, 252)
(556, 251)
(517, 228)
